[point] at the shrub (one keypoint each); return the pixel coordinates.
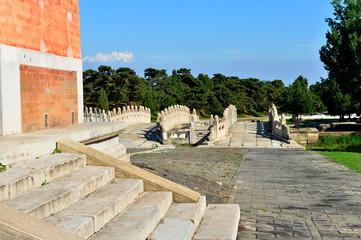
(2, 167)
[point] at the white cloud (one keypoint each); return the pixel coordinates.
(126, 57)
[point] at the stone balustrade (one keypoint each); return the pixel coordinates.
(278, 127)
(173, 116)
(221, 128)
(129, 114)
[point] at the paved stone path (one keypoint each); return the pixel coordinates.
(139, 136)
(296, 194)
(283, 192)
(253, 135)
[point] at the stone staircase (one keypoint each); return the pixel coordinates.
(90, 202)
(113, 148)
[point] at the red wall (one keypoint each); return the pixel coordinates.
(49, 91)
(50, 26)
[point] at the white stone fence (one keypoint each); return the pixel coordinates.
(278, 127)
(129, 114)
(173, 116)
(221, 128)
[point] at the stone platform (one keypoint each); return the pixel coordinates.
(17, 148)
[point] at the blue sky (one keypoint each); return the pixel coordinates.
(265, 39)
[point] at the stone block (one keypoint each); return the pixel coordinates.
(139, 219)
(55, 196)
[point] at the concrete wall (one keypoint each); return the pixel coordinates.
(40, 34)
(10, 98)
(308, 136)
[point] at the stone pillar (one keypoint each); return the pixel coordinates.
(191, 134)
(211, 120)
(216, 126)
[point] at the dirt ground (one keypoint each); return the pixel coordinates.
(208, 171)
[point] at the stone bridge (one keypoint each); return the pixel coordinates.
(177, 125)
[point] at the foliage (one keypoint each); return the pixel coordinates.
(2, 167)
(336, 101)
(158, 90)
(339, 142)
(44, 183)
(299, 98)
(103, 100)
(57, 150)
(341, 56)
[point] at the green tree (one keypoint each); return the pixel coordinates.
(103, 100)
(149, 101)
(299, 98)
(168, 101)
(341, 54)
(155, 76)
(336, 101)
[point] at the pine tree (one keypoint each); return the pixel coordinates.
(103, 100)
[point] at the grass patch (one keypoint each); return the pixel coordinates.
(2, 167)
(57, 150)
(44, 183)
(185, 146)
(351, 160)
(239, 115)
(343, 142)
(344, 150)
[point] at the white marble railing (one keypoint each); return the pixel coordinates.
(129, 114)
(278, 127)
(221, 128)
(172, 116)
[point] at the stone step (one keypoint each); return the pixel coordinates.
(181, 221)
(26, 176)
(55, 196)
(139, 219)
(117, 151)
(113, 148)
(91, 213)
(220, 222)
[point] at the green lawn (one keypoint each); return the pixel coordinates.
(345, 150)
(331, 142)
(351, 160)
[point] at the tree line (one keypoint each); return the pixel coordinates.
(209, 95)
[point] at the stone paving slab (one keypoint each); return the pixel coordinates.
(252, 135)
(296, 194)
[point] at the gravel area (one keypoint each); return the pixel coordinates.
(208, 171)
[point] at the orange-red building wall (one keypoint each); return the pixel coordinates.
(50, 26)
(50, 91)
